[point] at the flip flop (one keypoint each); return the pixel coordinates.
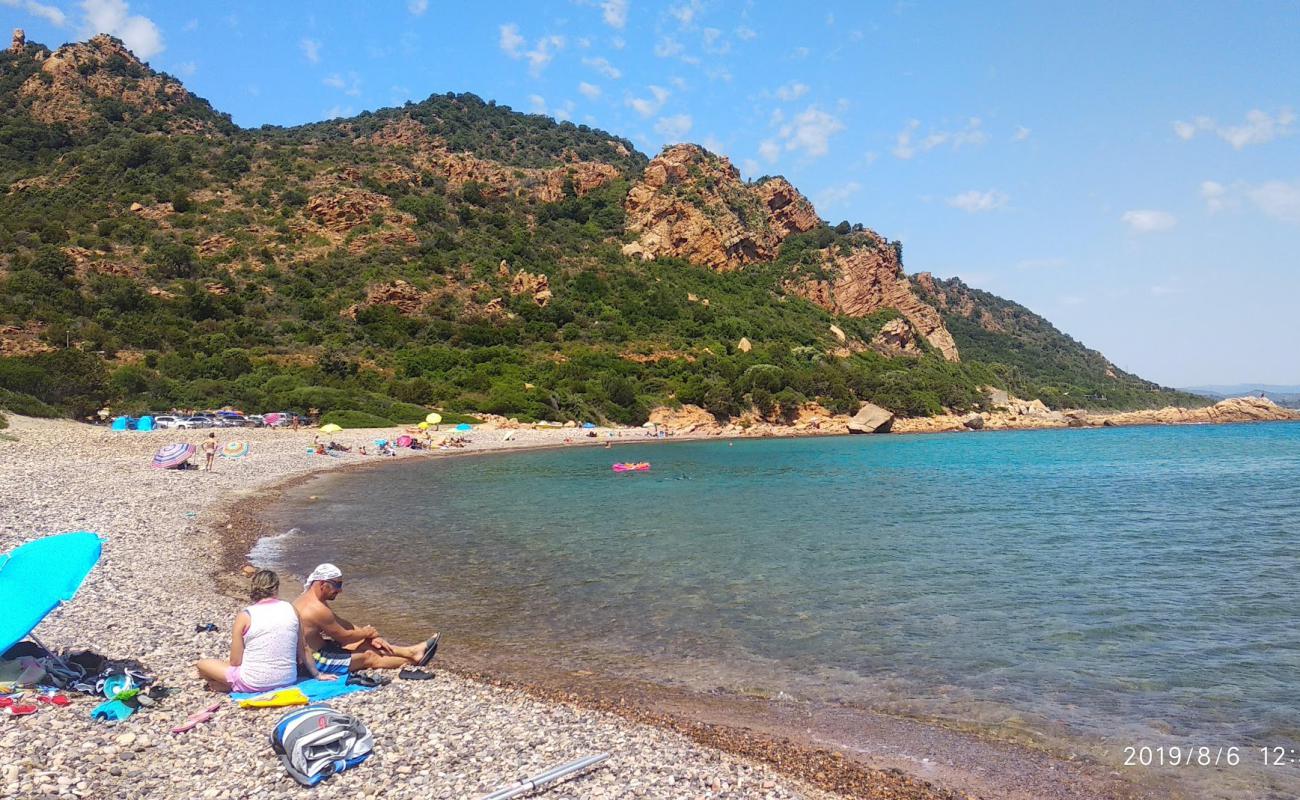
(53, 699)
(19, 711)
(409, 674)
(198, 718)
(430, 647)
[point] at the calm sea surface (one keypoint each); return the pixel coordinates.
(1110, 586)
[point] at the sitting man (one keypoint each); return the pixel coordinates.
(337, 645)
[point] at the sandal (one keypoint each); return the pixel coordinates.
(430, 647)
(198, 718)
(18, 711)
(409, 674)
(53, 699)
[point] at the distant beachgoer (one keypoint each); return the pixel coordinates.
(266, 645)
(210, 450)
(295, 421)
(337, 645)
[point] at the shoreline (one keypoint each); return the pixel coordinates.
(750, 727)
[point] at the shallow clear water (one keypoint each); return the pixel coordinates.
(1134, 585)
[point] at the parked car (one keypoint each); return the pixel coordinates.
(255, 421)
(166, 421)
(195, 422)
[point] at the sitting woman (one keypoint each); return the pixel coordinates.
(266, 646)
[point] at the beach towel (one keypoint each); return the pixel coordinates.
(316, 742)
(279, 698)
(315, 689)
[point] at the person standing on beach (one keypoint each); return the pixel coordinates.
(338, 646)
(209, 450)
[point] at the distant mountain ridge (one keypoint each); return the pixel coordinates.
(456, 253)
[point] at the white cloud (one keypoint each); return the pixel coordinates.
(615, 13)
(191, 26)
(1145, 220)
(334, 112)
(1277, 199)
(791, 91)
(603, 67)
(417, 7)
(975, 201)
(685, 13)
(668, 47)
(113, 17)
(1259, 127)
(905, 148)
(311, 50)
(769, 151)
(750, 167)
(649, 106)
(835, 195)
(512, 44)
(589, 90)
(350, 86)
(674, 127)
(714, 145)
(50, 14)
(1215, 195)
(810, 132)
(186, 69)
(1021, 134)
(745, 33)
(537, 103)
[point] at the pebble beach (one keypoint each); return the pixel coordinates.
(163, 571)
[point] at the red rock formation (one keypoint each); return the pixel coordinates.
(497, 179)
(896, 338)
(692, 204)
(344, 210)
(399, 294)
(73, 77)
(538, 286)
(868, 278)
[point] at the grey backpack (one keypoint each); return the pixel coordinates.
(316, 742)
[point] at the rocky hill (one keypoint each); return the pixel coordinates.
(455, 253)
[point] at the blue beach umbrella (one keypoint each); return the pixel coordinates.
(464, 426)
(37, 576)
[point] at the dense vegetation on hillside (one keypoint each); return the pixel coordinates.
(148, 270)
(1036, 359)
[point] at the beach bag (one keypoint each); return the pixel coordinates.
(316, 742)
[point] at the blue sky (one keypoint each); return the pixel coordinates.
(1129, 170)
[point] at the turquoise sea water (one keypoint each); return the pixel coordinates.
(1109, 586)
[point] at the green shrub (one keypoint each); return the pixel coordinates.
(25, 404)
(356, 419)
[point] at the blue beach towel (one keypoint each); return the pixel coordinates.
(315, 689)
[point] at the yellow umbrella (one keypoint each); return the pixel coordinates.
(330, 428)
(424, 426)
(434, 418)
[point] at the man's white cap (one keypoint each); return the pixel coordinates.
(325, 572)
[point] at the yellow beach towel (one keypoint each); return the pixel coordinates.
(292, 696)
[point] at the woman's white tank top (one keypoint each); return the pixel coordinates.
(270, 645)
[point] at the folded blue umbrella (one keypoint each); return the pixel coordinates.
(37, 576)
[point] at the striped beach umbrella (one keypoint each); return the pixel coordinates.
(173, 455)
(234, 450)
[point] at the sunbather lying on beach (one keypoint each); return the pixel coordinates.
(337, 645)
(266, 645)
